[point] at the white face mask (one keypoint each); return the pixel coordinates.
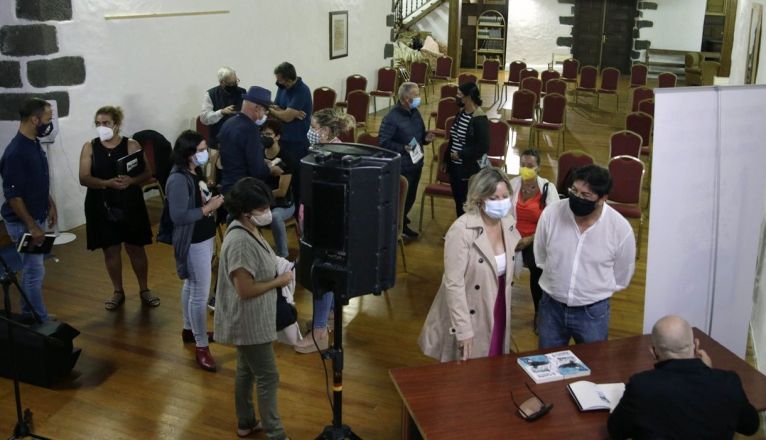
(201, 158)
(105, 133)
(313, 136)
(261, 121)
(497, 209)
(263, 219)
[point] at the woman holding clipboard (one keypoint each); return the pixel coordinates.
(115, 211)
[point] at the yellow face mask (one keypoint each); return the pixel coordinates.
(527, 173)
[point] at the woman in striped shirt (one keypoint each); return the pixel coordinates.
(468, 143)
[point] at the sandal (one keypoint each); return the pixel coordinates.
(117, 299)
(148, 299)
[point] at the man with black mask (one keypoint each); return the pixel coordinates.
(587, 252)
(28, 204)
(221, 103)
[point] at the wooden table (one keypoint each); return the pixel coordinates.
(459, 400)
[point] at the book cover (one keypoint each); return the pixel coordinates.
(555, 366)
(590, 396)
(26, 247)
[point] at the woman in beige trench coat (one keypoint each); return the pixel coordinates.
(478, 259)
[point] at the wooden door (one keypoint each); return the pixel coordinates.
(603, 33)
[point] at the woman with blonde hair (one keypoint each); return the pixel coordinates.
(471, 314)
(326, 127)
(115, 211)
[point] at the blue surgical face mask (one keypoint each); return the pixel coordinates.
(497, 209)
(261, 121)
(415, 102)
(201, 158)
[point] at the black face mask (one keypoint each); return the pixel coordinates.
(581, 207)
(267, 142)
(280, 86)
(44, 129)
(232, 90)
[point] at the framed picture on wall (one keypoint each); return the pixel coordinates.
(338, 34)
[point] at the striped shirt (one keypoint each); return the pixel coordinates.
(245, 321)
(458, 134)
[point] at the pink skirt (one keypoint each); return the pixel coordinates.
(496, 343)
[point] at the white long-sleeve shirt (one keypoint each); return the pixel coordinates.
(208, 116)
(583, 268)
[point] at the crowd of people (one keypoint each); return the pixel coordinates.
(579, 250)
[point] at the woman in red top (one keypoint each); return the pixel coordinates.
(530, 194)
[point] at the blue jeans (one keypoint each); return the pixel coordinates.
(196, 289)
(33, 272)
(557, 322)
(322, 307)
(278, 217)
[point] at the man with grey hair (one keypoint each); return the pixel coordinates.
(404, 132)
(221, 103)
(684, 397)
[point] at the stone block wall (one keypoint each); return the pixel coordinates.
(28, 61)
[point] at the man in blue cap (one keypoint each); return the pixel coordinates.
(240, 140)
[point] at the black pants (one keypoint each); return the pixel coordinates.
(297, 150)
(528, 255)
(413, 179)
(459, 186)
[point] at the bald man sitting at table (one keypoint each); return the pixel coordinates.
(684, 397)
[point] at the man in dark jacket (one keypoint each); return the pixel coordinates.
(403, 131)
(683, 397)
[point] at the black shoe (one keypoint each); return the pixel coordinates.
(409, 233)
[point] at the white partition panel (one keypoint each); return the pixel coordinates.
(708, 184)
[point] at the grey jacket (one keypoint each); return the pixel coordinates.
(180, 193)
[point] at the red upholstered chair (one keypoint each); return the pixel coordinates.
(368, 139)
(403, 186)
(353, 83)
(587, 83)
(625, 143)
(466, 77)
(447, 130)
(547, 75)
(610, 79)
(534, 85)
(419, 75)
(385, 89)
(203, 129)
(625, 197)
(570, 69)
(640, 123)
(666, 79)
(638, 95)
(523, 107)
(527, 73)
(498, 142)
(358, 105)
(514, 71)
(447, 107)
(638, 74)
(647, 106)
(348, 136)
(556, 85)
(439, 187)
(443, 70)
(324, 97)
(489, 75)
(569, 161)
(448, 90)
(553, 119)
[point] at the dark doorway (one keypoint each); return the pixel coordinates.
(603, 33)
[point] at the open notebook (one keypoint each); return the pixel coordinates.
(590, 396)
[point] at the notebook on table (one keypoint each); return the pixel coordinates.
(554, 366)
(591, 396)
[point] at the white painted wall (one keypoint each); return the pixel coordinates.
(158, 69)
(533, 27)
(739, 47)
(436, 22)
(677, 25)
(758, 323)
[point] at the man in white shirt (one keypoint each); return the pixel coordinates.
(587, 252)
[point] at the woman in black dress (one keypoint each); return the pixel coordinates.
(115, 211)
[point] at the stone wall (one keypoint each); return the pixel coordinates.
(29, 65)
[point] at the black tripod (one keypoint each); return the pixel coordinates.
(23, 420)
(336, 431)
